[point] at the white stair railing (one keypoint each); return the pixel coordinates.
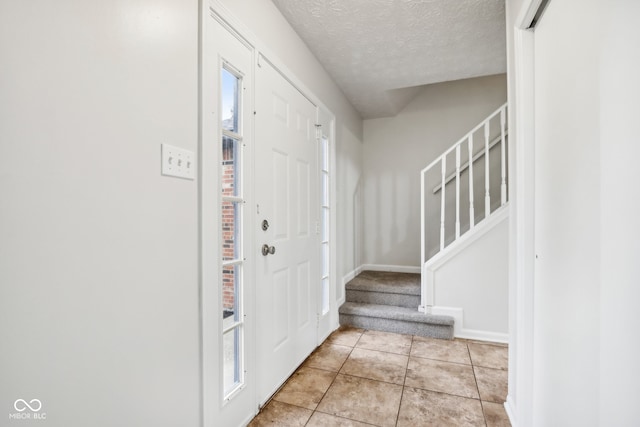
(468, 139)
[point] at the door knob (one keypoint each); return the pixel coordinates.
(266, 250)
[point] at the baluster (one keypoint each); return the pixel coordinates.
(472, 215)
(487, 195)
(503, 185)
(442, 199)
(457, 191)
(423, 250)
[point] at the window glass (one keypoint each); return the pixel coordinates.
(231, 351)
(229, 101)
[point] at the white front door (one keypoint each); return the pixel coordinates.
(287, 197)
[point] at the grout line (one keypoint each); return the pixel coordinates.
(370, 379)
(344, 418)
(404, 382)
(443, 361)
(477, 388)
(385, 352)
(334, 378)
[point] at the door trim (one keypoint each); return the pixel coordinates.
(210, 397)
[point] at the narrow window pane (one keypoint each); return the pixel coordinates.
(230, 167)
(325, 189)
(230, 294)
(325, 154)
(325, 295)
(230, 231)
(325, 225)
(325, 259)
(230, 84)
(231, 353)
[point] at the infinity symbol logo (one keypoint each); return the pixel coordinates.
(22, 405)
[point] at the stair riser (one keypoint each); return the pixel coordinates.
(400, 300)
(398, 326)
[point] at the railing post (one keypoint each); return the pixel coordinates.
(503, 185)
(442, 200)
(472, 215)
(423, 251)
(457, 191)
(487, 194)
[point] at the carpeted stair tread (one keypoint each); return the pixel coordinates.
(394, 313)
(386, 282)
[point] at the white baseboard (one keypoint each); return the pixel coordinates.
(346, 279)
(351, 275)
(391, 268)
(459, 331)
(510, 409)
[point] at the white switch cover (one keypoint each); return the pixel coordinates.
(178, 162)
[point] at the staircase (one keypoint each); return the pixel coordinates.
(386, 301)
(463, 197)
(475, 195)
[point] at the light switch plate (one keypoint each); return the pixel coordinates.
(178, 162)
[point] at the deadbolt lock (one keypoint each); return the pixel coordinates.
(265, 225)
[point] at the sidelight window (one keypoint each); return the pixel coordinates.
(324, 223)
(231, 214)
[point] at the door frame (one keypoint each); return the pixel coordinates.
(210, 322)
(327, 323)
(519, 404)
(238, 408)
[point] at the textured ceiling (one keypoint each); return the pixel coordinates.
(381, 51)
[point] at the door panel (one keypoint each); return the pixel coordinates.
(287, 197)
(280, 303)
(280, 197)
(304, 283)
(302, 186)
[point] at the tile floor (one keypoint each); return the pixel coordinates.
(369, 378)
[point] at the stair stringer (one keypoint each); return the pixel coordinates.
(430, 267)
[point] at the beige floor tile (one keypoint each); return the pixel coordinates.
(445, 350)
(362, 400)
(376, 365)
(434, 375)
(319, 419)
(428, 408)
(495, 415)
(328, 357)
(489, 356)
(345, 335)
(385, 341)
(492, 384)
(306, 387)
(281, 415)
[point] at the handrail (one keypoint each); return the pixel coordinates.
(465, 165)
(464, 138)
(444, 179)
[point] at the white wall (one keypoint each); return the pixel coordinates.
(476, 280)
(585, 343)
(397, 148)
(98, 252)
(567, 197)
(268, 24)
(350, 215)
(619, 292)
